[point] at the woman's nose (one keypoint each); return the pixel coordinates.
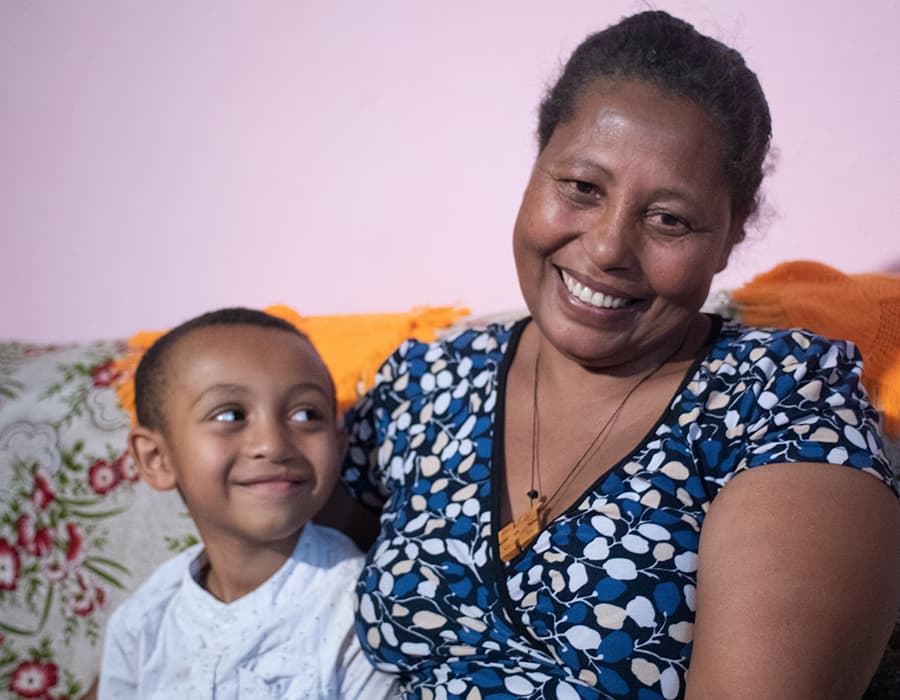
(608, 238)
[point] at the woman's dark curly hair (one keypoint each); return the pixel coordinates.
(669, 53)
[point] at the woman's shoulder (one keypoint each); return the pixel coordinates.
(767, 395)
(462, 360)
(737, 343)
(765, 369)
(475, 338)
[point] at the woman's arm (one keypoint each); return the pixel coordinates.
(798, 585)
(345, 513)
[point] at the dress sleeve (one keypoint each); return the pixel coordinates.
(367, 424)
(800, 399)
(359, 680)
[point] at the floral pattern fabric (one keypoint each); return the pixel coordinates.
(601, 605)
(67, 495)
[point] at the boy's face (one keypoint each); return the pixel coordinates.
(251, 437)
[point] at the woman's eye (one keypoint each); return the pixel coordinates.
(584, 189)
(228, 415)
(669, 223)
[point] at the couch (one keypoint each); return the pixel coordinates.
(78, 531)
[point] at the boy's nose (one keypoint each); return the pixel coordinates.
(270, 440)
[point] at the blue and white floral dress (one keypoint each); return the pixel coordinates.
(601, 605)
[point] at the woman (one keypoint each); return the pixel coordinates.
(621, 496)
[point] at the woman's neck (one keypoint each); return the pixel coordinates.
(567, 374)
(556, 450)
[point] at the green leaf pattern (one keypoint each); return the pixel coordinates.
(66, 488)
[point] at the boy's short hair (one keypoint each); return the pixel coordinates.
(150, 377)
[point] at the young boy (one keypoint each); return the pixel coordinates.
(237, 411)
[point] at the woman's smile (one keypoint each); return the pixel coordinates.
(623, 224)
(592, 296)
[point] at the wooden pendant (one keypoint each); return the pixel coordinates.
(520, 533)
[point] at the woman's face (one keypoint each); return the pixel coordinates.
(625, 220)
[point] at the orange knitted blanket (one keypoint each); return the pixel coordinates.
(353, 346)
(862, 308)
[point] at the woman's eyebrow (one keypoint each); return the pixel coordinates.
(668, 193)
(584, 164)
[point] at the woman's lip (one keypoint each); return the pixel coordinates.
(596, 295)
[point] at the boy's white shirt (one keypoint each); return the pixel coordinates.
(292, 637)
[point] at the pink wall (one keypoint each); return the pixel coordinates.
(158, 159)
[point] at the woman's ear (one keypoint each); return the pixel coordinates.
(342, 438)
(736, 234)
(148, 449)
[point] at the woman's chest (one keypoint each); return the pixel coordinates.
(633, 535)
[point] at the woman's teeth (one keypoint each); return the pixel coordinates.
(589, 296)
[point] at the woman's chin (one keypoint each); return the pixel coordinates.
(606, 338)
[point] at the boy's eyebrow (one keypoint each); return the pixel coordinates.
(307, 386)
(329, 393)
(241, 389)
(231, 388)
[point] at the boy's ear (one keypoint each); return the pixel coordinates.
(148, 449)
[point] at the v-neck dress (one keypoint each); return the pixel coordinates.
(601, 605)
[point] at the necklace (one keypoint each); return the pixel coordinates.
(518, 534)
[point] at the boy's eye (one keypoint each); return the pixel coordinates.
(303, 415)
(228, 415)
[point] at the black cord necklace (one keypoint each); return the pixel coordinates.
(518, 534)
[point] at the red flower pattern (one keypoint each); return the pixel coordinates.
(9, 566)
(124, 464)
(42, 544)
(88, 596)
(24, 530)
(38, 350)
(42, 495)
(55, 571)
(53, 520)
(32, 679)
(75, 547)
(103, 476)
(105, 374)
(38, 542)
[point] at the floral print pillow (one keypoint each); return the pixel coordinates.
(77, 530)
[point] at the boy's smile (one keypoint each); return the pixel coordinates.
(251, 437)
(275, 484)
